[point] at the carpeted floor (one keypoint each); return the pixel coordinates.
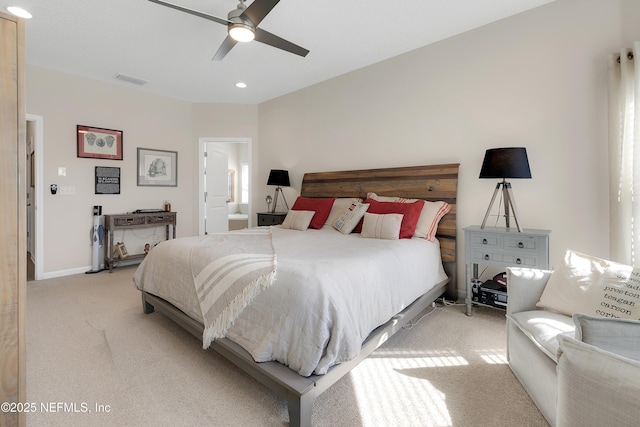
(94, 359)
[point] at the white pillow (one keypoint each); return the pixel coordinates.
(381, 226)
(351, 216)
(430, 216)
(590, 285)
(339, 206)
(298, 220)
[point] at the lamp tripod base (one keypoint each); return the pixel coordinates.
(275, 199)
(509, 203)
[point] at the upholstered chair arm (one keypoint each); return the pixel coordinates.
(525, 285)
(596, 387)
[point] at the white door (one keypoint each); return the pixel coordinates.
(217, 191)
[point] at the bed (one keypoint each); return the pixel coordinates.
(342, 330)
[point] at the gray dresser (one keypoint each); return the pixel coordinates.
(501, 247)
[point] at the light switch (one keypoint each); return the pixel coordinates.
(62, 171)
(67, 190)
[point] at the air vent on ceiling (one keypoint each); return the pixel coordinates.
(131, 79)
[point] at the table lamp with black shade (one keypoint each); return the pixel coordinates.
(503, 163)
(279, 178)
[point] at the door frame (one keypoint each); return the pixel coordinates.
(38, 205)
(202, 142)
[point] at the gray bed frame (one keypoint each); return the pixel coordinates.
(434, 182)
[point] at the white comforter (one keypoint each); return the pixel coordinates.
(331, 290)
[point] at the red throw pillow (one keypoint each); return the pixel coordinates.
(321, 207)
(411, 212)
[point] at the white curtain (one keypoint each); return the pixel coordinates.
(624, 155)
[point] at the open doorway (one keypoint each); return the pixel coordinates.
(234, 181)
(34, 197)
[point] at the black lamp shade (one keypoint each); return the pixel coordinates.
(509, 162)
(279, 177)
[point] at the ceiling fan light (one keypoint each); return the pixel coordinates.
(241, 33)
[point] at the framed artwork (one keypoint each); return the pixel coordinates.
(157, 168)
(98, 143)
(122, 250)
(107, 180)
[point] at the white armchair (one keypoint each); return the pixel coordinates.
(532, 346)
(599, 374)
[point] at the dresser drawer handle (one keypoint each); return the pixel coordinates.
(520, 245)
(518, 261)
(484, 241)
(486, 256)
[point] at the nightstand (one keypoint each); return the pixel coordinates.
(271, 218)
(500, 247)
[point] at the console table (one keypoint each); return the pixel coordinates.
(134, 220)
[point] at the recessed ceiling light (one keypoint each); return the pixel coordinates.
(241, 85)
(19, 12)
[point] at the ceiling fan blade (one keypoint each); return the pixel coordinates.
(258, 10)
(192, 12)
(224, 48)
(272, 40)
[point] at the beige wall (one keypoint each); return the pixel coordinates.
(230, 121)
(147, 121)
(630, 19)
(537, 80)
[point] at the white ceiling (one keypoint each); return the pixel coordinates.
(172, 50)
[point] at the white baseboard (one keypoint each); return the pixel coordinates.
(61, 273)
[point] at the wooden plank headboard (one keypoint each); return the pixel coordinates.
(433, 183)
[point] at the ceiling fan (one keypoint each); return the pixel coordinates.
(242, 26)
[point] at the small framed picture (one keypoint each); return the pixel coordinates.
(107, 180)
(122, 250)
(99, 143)
(157, 168)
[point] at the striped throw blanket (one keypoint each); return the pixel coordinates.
(229, 271)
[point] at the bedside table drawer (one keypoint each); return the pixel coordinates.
(481, 256)
(521, 260)
(485, 240)
(271, 218)
(522, 242)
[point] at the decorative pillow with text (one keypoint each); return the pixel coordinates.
(348, 220)
(339, 206)
(590, 285)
